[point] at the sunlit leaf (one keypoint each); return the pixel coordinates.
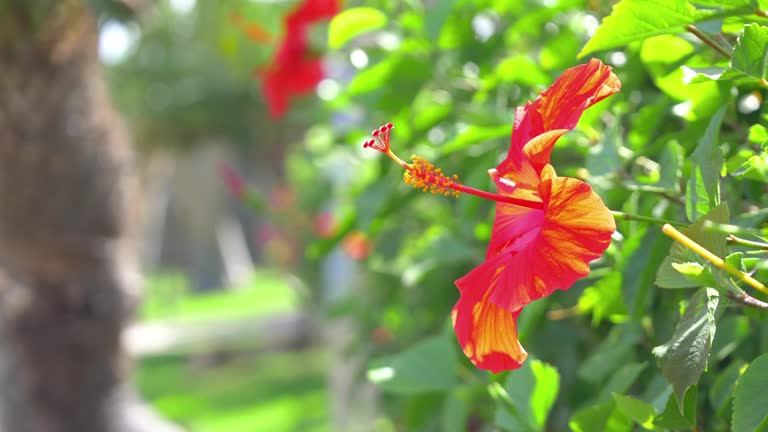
(682, 268)
(703, 188)
(353, 22)
(750, 55)
(603, 417)
(633, 20)
(532, 390)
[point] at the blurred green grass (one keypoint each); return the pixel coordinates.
(168, 298)
(233, 392)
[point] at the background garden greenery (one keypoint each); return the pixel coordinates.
(655, 338)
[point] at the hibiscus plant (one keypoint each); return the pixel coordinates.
(610, 217)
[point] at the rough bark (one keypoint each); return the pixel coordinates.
(66, 183)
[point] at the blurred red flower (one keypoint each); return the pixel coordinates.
(356, 245)
(325, 225)
(295, 69)
(533, 252)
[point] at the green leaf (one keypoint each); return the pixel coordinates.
(721, 391)
(640, 412)
(429, 365)
(750, 55)
(454, 413)
(353, 22)
(521, 69)
(600, 418)
(731, 331)
(758, 134)
(755, 168)
(673, 418)
(435, 16)
(532, 391)
(373, 77)
(750, 398)
(671, 163)
(684, 357)
(474, 134)
(622, 380)
(703, 190)
(545, 393)
(613, 352)
(747, 5)
(681, 259)
(633, 20)
(605, 299)
(697, 273)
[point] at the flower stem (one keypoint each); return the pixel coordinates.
(633, 217)
(744, 242)
(686, 241)
(707, 40)
(538, 205)
(747, 300)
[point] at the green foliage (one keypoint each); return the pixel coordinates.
(750, 55)
(684, 357)
(425, 367)
(750, 398)
(528, 397)
(703, 189)
(352, 22)
(685, 140)
(634, 20)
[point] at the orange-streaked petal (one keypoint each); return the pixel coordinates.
(558, 107)
(538, 251)
(487, 333)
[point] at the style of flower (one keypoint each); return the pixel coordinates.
(546, 230)
(295, 70)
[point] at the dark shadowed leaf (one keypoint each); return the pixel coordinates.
(673, 418)
(721, 392)
(684, 357)
(429, 365)
(622, 380)
(640, 412)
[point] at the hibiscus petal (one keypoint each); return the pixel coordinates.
(487, 333)
(310, 11)
(574, 229)
(558, 107)
(282, 84)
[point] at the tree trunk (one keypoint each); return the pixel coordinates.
(66, 183)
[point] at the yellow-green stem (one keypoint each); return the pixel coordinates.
(633, 217)
(686, 241)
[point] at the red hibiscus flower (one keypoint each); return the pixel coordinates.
(547, 228)
(295, 70)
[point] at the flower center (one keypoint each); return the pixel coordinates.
(423, 175)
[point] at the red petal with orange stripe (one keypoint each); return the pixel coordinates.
(534, 252)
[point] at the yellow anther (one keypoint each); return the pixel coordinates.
(423, 175)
